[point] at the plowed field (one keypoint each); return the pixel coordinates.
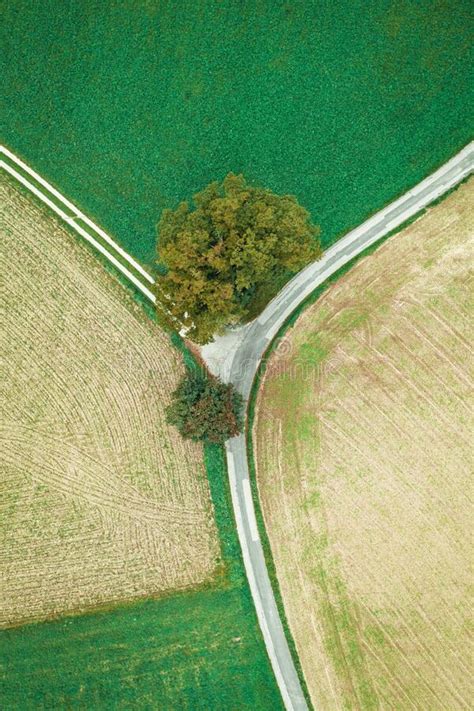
(100, 500)
(362, 443)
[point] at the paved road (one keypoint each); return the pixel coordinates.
(236, 357)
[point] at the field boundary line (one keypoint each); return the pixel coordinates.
(80, 230)
(71, 219)
(77, 213)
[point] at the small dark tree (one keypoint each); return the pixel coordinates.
(206, 409)
(227, 250)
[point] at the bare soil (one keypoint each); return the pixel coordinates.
(363, 442)
(101, 501)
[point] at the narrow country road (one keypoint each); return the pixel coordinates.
(235, 358)
(237, 355)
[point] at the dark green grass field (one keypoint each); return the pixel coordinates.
(129, 107)
(178, 653)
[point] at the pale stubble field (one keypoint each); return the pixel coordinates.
(101, 500)
(362, 446)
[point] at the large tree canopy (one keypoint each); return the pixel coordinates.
(220, 252)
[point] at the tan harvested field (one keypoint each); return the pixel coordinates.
(100, 500)
(362, 444)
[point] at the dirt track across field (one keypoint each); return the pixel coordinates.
(100, 499)
(362, 444)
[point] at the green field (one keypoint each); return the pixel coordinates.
(130, 107)
(178, 653)
(173, 654)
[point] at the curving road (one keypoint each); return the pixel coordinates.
(236, 356)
